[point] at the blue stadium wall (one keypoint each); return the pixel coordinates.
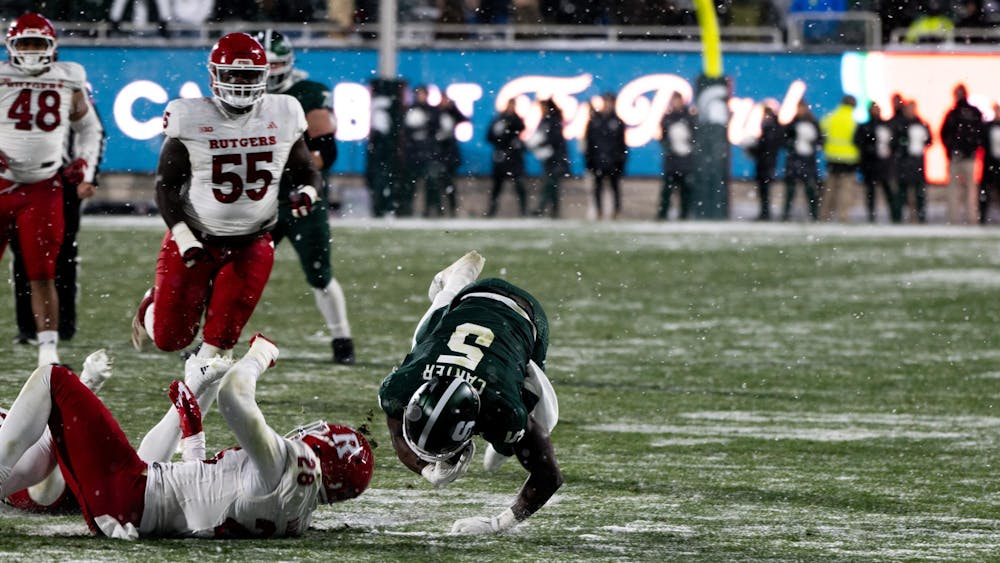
(132, 85)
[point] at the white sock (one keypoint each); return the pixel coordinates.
(26, 420)
(48, 341)
(332, 305)
(147, 321)
(208, 351)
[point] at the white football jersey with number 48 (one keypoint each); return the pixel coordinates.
(34, 118)
(236, 160)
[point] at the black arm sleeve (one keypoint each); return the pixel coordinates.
(326, 146)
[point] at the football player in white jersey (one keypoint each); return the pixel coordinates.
(268, 487)
(217, 190)
(40, 101)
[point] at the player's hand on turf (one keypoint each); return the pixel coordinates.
(485, 525)
(302, 201)
(442, 473)
(187, 408)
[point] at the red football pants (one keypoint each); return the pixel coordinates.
(36, 211)
(100, 466)
(225, 286)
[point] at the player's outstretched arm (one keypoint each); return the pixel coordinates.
(238, 406)
(536, 454)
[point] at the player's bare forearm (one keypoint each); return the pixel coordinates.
(301, 166)
(172, 173)
(403, 452)
(536, 454)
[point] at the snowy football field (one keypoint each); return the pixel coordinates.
(728, 391)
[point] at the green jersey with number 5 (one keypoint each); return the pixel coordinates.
(486, 336)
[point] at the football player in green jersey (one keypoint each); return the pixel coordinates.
(310, 233)
(476, 368)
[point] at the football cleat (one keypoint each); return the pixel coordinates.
(199, 373)
(263, 349)
(139, 334)
(343, 351)
(27, 339)
(96, 370)
(467, 268)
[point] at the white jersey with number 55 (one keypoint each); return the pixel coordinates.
(236, 160)
(34, 118)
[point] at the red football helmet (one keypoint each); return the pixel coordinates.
(345, 458)
(31, 43)
(238, 69)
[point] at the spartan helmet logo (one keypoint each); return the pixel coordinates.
(440, 418)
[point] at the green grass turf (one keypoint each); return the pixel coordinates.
(729, 392)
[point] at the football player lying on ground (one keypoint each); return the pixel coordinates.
(51, 495)
(269, 487)
(476, 367)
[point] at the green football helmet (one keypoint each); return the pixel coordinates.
(440, 418)
(280, 56)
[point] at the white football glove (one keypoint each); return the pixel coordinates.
(442, 473)
(482, 525)
(96, 370)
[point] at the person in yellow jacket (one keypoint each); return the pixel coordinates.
(841, 161)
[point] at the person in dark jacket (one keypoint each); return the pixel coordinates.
(961, 133)
(989, 185)
(677, 138)
(421, 155)
(451, 155)
(549, 147)
(874, 141)
(504, 133)
(764, 152)
(803, 140)
(910, 139)
(606, 152)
